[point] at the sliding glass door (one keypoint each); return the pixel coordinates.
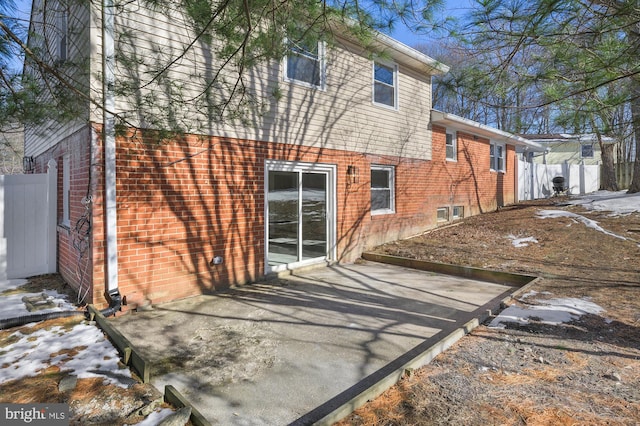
(299, 212)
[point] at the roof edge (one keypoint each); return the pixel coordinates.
(437, 68)
(452, 120)
(581, 138)
(399, 50)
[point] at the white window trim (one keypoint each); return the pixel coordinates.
(66, 190)
(396, 85)
(494, 159)
(298, 166)
(454, 138)
(392, 195)
(322, 48)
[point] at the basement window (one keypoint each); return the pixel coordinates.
(458, 212)
(443, 214)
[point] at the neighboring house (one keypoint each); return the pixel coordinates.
(344, 158)
(576, 158)
(570, 149)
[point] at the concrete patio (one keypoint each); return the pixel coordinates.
(307, 348)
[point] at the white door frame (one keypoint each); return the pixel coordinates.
(297, 166)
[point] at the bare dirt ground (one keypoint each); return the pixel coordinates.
(583, 373)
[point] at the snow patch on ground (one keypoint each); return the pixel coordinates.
(521, 242)
(551, 312)
(11, 284)
(13, 307)
(82, 351)
(545, 214)
(617, 203)
(156, 417)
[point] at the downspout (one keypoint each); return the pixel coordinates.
(109, 141)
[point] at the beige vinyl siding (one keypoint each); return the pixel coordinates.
(343, 116)
(570, 152)
(47, 134)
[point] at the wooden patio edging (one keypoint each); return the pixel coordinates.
(130, 356)
(141, 366)
(175, 398)
(497, 277)
(375, 384)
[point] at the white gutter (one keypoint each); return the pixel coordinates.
(395, 49)
(435, 67)
(568, 138)
(109, 141)
(475, 128)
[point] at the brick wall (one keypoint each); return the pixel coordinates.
(424, 186)
(180, 203)
(74, 262)
(184, 202)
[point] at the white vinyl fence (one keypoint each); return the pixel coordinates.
(28, 224)
(535, 180)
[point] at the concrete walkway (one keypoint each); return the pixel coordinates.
(292, 350)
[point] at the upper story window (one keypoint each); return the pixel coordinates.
(451, 146)
(63, 34)
(305, 64)
(586, 151)
(385, 85)
(497, 154)
(382, 189)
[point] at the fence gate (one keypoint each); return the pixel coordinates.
(535, 180)
(525, 181)
(28, 210)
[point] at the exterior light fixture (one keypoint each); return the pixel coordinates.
(28, 164)
(352, 174)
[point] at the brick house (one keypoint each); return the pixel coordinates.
(341, 160)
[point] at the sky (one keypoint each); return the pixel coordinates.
(23, 11)
(23, 7)
(452, 8)
(25, 354)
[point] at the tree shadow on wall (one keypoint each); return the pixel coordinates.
(192, 187)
